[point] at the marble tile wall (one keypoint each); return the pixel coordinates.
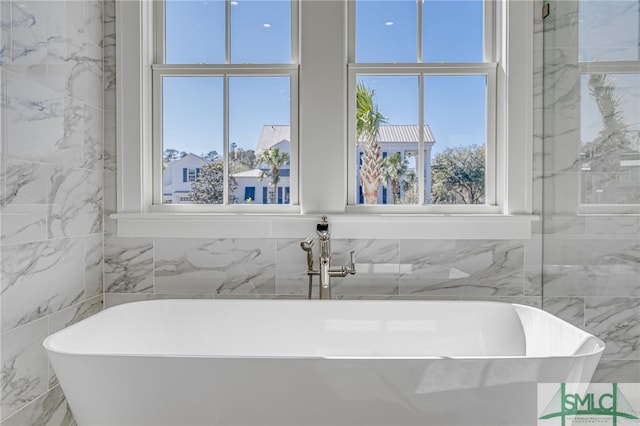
(591, 229)
(57, 188)
(51, 192)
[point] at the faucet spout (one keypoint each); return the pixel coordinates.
(325, 271)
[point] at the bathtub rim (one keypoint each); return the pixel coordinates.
(596, 340)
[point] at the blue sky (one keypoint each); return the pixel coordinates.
(386, 32)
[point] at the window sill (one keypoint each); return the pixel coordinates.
(378, 226)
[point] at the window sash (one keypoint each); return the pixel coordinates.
(225, 71)
(489, 70)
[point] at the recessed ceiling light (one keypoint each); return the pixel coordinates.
(266, 25)
(389, 23)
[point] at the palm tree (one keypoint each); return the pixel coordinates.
(394, 168)
(274, 160)
(368, 121)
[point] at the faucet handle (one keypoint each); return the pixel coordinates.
(352, 263)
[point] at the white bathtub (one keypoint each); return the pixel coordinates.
(299, 362)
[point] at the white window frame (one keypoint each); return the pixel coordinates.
(224, 71)
(322, 165)
(420, 69)
(606, 67)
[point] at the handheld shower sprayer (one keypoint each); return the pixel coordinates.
(307, 245)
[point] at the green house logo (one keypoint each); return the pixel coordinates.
(611, 404)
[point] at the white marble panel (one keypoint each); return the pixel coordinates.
(5, 32)
(616, 225)
(93, 138)
(75, 198)
(20, 223)
(109, 46)
(109, 154)
(92, 28)
(617, 322)
(222, 266)
(291, 267)
(24, 366)
(36, 119)
(465, 268)
(592, 280)
(94, 265)
(128, 264)
(533, 266)
(377, 267)
(615, 371)
(82, 62)
(561, 26)
(51, 409)
(561, 80)
(562, 147)
(570, 309)
(567, 224)
(562, 195)
(30, 32)
(40, 278)
(25, 182)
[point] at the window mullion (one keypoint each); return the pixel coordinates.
(419, 5)
(225, 142)
(227, 36)
(421, 171)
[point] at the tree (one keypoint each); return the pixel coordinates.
(409, 186)
(394, 168)
(273, 159)
(209, 185)
(458, 176)
(211, 156)
(242, 160)
(368, 121)
(171, 154)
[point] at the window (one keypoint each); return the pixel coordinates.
(224, 78)
(609, 61)
(423, 82)
(324, 161)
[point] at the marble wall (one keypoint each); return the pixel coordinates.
(51, 193)
(57, 188)
(591, 178)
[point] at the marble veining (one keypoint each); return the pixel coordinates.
(223, 266)
(463, 267)
(40, 278)
(50, 409)
(617, 322)
(24, 366)
(128, 264)
(75, 202)
(94, 265)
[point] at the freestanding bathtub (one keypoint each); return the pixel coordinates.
(300, 362)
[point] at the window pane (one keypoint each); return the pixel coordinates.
(386, 31)
(455, 111)
(386, 167)
(259, 128)
(452, 30)
(261, 32)
(610, 138)
(192, 136)
(608, 30)
(195, 32)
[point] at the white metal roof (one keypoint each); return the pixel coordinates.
(272, 134)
